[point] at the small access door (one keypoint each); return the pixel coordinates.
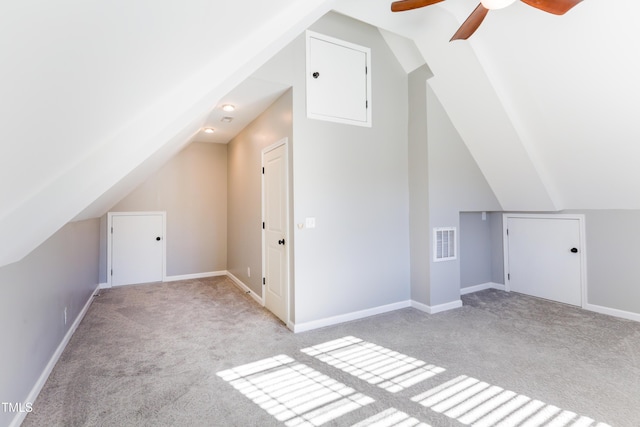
(545, 256)
(276, 230)
(137, 247)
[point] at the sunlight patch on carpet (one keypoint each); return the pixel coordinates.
(292, 392)
(391, 418)
(479, 404)
(372, 363)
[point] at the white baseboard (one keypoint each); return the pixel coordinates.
(245, 288)
(37, 387)
(433, 309)
(194, 276)
(613, 312)
(482, 287)
(104, 286)
(334, 320)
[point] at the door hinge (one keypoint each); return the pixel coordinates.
(111, 230)
(112, 271)
(264, 281)
(507, 231)
(508, 276)
(262, 171)
(366, 104)
(366, 70)
(263, 225)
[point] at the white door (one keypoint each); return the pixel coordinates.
(544, 258)
(137, 248)
(338, 81)
(276, 260)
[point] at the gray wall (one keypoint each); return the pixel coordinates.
(456, 184)
(192, 189)
(475, 249)
(354, 181)
(497, 248)
(62, 272)
(419, 185)
(245, 189)
(613, 252)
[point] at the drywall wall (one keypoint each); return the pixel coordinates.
(62, 272)
(456, 184)
(475, 249)
(497, 248)
(613, 252)
(418, 184)
(192, 189)
(244, 246)
(354, 181)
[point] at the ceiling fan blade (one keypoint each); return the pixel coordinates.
(557, 7)
(472, 23)
(402, 5)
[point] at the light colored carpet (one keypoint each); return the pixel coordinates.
(151, 355)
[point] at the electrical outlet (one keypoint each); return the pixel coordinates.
(65, 315)
(248, 271)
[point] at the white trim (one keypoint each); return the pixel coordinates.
(629, 315)
(433, 309)
(341, 318)
(245, 288)
(583, 247)
(481, 287)
(104, 286)
(37, 387)
(283, 142)
(195, 276)
(110, 216)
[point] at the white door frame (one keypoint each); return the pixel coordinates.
(110, 216)
(287, 275)
(583, 247)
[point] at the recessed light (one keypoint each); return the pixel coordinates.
(209, 130)
(228, 107)
(226, 119)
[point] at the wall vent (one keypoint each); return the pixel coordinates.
(444, 244)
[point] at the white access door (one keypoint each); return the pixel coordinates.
(137, 248)
(275, 205)
(545, 258)
(338, 80)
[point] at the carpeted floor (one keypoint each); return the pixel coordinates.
(174, 354)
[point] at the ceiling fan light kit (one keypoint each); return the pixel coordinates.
(468, 27)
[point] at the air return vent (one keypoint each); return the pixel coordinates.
(444, 243)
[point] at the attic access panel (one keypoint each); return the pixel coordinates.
(338, 78)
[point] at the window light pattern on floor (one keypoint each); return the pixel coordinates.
(377, 365)
(391, 418)
(292, 392)
(476, 403)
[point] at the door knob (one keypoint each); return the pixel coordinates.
(316, 75)
(281, 242)
(158, 239)
(574, 250)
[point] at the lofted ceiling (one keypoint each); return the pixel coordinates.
(546, 104)
(96, 95)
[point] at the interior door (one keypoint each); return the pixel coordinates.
(544, 258)
(276, 232)
(137, 254)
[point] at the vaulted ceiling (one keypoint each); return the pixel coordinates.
(95, 95)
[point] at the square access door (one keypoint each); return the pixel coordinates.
(338, 80)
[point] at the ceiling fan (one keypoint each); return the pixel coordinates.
(468, 27)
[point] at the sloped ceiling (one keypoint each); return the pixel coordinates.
(94, 93)
(546, 104)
